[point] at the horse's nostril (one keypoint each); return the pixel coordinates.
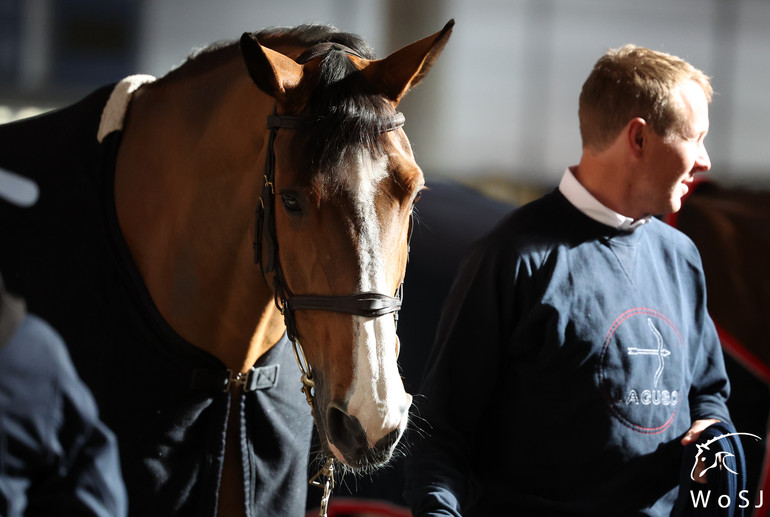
(347, 435)
(345, 431)
(387, 442)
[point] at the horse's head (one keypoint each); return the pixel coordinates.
(338, 215)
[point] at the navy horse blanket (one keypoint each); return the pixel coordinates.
(162, 396)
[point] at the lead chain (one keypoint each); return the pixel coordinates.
(324, 478)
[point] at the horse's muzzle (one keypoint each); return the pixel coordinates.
(346, 434)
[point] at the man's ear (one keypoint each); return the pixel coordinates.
(636, 135)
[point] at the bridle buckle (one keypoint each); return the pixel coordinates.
(268, 184)
(236, 379)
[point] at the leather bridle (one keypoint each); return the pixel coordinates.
(368, 304)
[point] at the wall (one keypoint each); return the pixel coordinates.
(502, 100)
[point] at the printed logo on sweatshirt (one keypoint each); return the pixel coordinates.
(641, 370)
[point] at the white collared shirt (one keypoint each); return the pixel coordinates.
(577, 194)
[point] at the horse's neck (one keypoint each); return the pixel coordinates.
(187, 181)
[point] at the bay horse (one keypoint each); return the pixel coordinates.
(285, 149)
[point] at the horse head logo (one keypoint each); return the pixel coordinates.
(714, 459)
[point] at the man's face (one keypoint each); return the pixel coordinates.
(674, 159)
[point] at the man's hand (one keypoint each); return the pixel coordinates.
(691, 436)
(696, 429)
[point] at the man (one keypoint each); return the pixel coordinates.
(575, 355)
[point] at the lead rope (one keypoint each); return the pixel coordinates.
(324, 478)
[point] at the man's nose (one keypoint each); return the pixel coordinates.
(703, 162)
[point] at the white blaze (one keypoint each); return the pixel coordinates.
(377, 397)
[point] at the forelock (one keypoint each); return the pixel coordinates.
(346, 115)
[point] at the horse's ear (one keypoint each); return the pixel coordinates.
(275, 74)
(402, 70)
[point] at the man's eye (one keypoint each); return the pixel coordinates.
(290, 203)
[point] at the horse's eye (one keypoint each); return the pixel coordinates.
(290, 203)
(417, 197)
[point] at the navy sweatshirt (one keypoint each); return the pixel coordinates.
(161, 395)
(569, 361)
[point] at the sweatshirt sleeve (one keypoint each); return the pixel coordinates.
(710, 385)
(462, 369)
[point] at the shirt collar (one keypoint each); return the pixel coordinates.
(579, 196)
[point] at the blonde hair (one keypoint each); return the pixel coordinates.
(632, 82)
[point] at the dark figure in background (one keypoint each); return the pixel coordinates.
(56, 457)
(575, 355)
